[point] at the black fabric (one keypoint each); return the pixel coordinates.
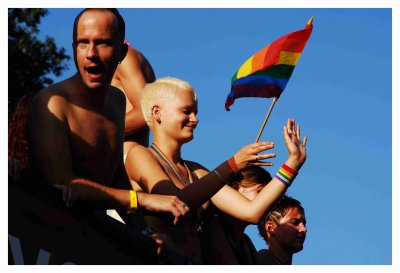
(201, 190)
(219, 246)
(197, 193)
(266, 257)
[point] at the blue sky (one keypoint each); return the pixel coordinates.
(340, 93)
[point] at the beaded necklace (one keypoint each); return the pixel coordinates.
(164, 157)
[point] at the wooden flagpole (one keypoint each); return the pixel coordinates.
(266, 118)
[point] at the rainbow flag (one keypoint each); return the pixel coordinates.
(266, 73)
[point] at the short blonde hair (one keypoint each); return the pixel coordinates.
(162, 89)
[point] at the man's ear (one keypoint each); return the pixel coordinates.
(270, 227)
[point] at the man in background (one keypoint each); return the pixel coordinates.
(284, 230)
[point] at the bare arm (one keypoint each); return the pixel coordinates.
(50, 143)
(49, 132)
(235, 204)
(133, 73)
(152, 178)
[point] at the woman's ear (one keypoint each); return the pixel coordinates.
(156, 114)
(270, 227)
(235, 185)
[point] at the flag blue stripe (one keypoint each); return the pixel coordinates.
(261, 80)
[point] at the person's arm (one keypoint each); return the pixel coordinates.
(235, 204)
(49, 133)
(144, 168)
(133, 73)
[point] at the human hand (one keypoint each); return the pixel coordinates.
(249, 155)
(163, 203)
(296, 147)
(69, 195)
(163, 242)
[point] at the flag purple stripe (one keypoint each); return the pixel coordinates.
(261, 80)
(251, 90)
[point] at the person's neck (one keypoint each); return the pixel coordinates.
(172, 150)
(281, 254)
(93, 97)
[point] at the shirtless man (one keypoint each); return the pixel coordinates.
(76, 127)
(131, 76)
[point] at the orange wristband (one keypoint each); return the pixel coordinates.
(232, 164)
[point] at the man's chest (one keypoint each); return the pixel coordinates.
(96, 141)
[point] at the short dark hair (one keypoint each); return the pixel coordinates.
(251, 176)
(120, 21)
(280, 209)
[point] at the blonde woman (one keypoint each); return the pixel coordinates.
(169, 106)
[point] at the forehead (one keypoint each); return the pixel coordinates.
(250, 185)
(184, 97)
(292, 213)
(100, 22)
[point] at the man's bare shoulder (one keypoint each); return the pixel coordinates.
(138, 55)
(143, 63)
(54, 98)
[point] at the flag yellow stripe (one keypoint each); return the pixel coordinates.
(289, 58)
(245, 69)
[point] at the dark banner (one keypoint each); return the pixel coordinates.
(40, 232)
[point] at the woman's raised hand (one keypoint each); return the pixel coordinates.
(250, 155)
(296, 147)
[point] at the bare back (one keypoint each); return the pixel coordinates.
(130, 77)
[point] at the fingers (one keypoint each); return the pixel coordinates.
(178, 208)
(298, 131)
(166, 203)
(289, 125)
(265, 156)
(163, 242)
(292, 130)
(159, 242)
(260, 146)
(178, 211)
(181, 207)
(286, 135)
(261, 157)
(176, 219)
(304, 141)
(261, 163)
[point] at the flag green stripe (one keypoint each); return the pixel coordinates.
(281, 71)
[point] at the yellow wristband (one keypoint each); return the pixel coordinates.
(133, 201)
